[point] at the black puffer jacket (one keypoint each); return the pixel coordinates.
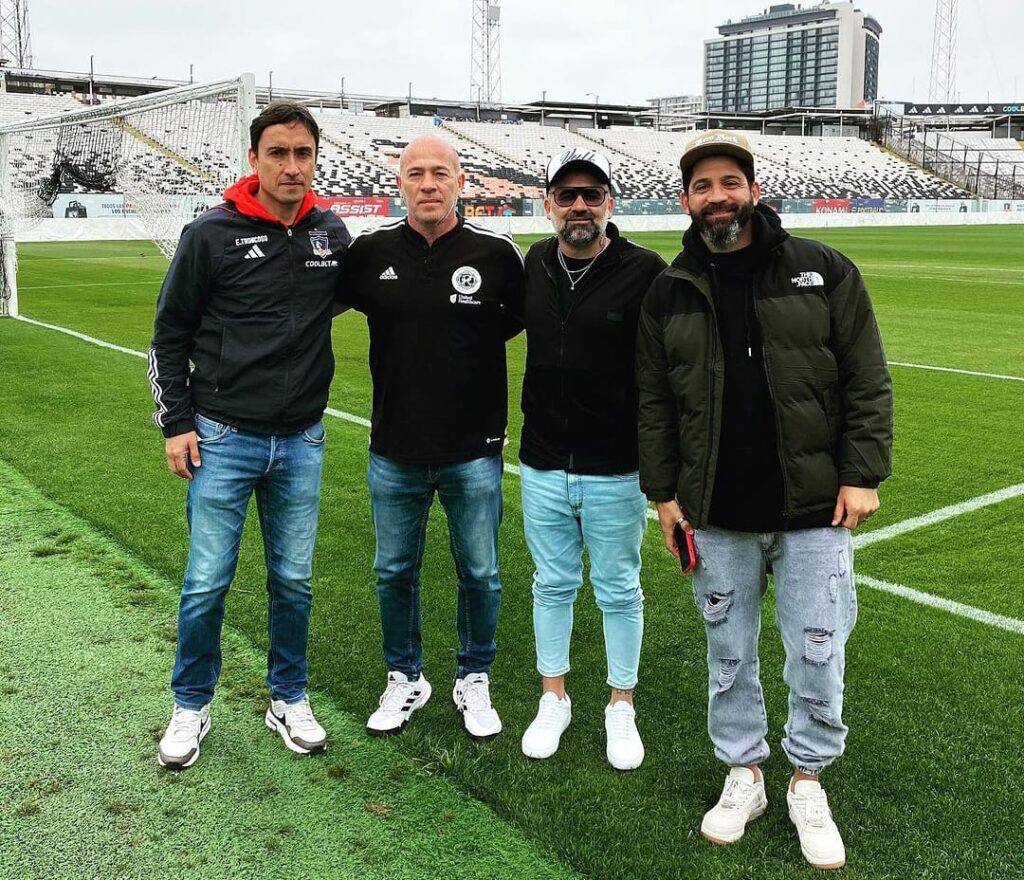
(830, 387)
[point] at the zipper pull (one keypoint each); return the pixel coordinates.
(750, 351)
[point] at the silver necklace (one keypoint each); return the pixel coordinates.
(575, 276)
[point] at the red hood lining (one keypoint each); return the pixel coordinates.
(242, 194)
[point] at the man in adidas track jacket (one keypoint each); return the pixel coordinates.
(248, 300)
(441, 296)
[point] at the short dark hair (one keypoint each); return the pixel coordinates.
(282, 113)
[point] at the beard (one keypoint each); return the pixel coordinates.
(581, 235)
(721, 234)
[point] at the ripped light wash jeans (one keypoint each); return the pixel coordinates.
(815, 609)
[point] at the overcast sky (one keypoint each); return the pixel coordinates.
(624, 52)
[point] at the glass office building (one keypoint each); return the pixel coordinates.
(791, 56)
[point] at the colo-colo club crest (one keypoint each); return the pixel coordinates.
(321, 244)
(466, 281)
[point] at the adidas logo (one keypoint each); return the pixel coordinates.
(389, 274)
(254, 253)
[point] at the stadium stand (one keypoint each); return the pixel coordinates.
(359, 157)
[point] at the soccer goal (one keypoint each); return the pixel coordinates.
(170, 153)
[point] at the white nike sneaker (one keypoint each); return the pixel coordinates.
(400, 699)
(179, 746)
(298, 727)
(820, 840)
(545, 731)
(625, 749)
(743, 800)
(472, 698)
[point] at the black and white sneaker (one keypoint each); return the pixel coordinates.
(179, 746)
(472, 697)
(400, 699)
(298, 728)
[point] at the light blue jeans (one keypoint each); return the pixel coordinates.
(284, 473)
(815, 609)
(563, 513)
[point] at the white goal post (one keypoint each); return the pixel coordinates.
(170, 153)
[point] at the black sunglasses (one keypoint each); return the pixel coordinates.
(565, 196)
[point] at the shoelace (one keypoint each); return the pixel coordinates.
(185, 723)
(622, 724)
(549, 714)
(736, 793)
(476, 696)
(394, 696)
(814, 809)
(300, 715)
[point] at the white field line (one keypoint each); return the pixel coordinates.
(1008, 623)
(954, 370)
(90, 339)
(937, 516)
(975, 281)
(93, 284)
(1011, 624)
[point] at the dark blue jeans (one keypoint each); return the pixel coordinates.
(284, 472)
(401, 497)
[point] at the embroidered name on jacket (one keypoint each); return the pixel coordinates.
(807, 279)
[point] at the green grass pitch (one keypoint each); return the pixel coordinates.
(929, 786)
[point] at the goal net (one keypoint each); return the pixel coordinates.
(170, 154)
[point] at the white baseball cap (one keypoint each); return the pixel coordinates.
(587, 160)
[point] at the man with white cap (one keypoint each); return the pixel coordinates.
(765, 430)
(578, 451)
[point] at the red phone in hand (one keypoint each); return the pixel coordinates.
(687, 550)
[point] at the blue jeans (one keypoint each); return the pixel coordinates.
(284, 471)
(401, 496)
(563, 513)
(815, 609)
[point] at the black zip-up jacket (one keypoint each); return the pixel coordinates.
(248, 301)
(438, 317)
(831, 395)
(579, 393)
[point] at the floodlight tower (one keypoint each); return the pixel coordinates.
(942, 83)
(485, 67)
(15, 39)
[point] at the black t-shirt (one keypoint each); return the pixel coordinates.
(748, 490)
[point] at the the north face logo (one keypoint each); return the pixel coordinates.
(807, 279)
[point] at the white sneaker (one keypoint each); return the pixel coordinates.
(625, 749)
(297, 726)
(820, 841)
(743, 800)
(400, 699)
(472, 698)
(542, 736)
(179, 746)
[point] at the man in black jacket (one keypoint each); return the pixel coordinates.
(765, 429)
(441, 296)
(579, 447)
(248, 300)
